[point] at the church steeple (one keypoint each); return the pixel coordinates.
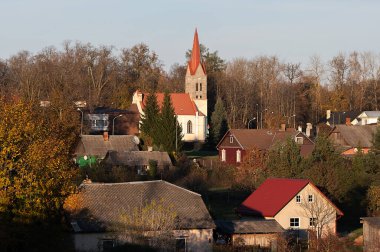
(195, 59)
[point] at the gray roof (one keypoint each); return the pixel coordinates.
(102, 204)
(249, 226)
(372, 221)
(371, 113)
(357, 135)
(95, 145)
(138, 158)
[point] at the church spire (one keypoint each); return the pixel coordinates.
(195, 59)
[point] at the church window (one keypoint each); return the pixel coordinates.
(200, 97)
(196, 87)
(200, 86)
(196, 97)
(189, 127)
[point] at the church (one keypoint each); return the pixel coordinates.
(191, 106)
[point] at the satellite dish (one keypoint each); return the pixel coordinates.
(136, 140)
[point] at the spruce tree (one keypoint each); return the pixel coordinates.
(169, 129)
(219, 121)
(150, 120)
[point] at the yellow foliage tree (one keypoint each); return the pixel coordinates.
(36, 172)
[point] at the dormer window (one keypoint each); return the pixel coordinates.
(231, 139)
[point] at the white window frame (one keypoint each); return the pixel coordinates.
(231, 139)
(238, 156)
(290, 222)
(299, 140)
(310, 198)
(223, 155)
(298, 199)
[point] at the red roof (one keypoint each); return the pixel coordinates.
(182, 103)
(195, 59)
(273, 195)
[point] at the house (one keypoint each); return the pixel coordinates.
(139, 160)
(191, 106)
(116, 121)
(349, 139)
(236, 142)
(367, 117)
(95, 147)
(339, 117)
(371, 234)
(95, 213)
(249, 232)
(295, 204)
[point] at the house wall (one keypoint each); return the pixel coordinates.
(262, 240)
(231, 155)
(196, 240)
(371, 236)
(294, 210)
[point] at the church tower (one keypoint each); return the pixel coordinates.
(196, 78)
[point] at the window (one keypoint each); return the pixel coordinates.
(189, 127)
(238, 156)
(299, 140)
(231, 139)
(294, 222)
(310, 198)
(313, 222)
(200, 86)
(196, 87)
(196, 97)
(223, 155)
(180, 244)
(200, 97)
(298, 199)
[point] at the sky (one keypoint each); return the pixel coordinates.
(293, 30)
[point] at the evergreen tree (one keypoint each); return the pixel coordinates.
(169, 130)
(285, 160)
(150, 120)
(219, 121)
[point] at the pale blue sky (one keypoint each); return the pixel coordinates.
(293, 30)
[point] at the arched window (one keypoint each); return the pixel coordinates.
(200, 86)
(189, 127)
(196, 87)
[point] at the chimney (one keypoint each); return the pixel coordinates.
(328, 114)
(309, 126)
(348, 121)
(299, 128)
(105, 136)
(283, 127)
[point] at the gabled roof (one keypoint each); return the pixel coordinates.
(370, 114)
(249, 226)
(264, 139)
(182, 103)
(138, 158)
(273, 195)
(95, 145)
(102, 204)
(357, 135)
(195, 59)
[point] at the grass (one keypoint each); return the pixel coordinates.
(201, 154)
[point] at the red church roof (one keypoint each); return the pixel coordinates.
(182, 103)
(195, 59)
(273, 195)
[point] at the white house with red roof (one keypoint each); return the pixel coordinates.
(191, 106)
(295, 204)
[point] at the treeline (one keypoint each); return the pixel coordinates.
(263, 87)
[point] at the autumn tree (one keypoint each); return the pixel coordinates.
(36, 170)
(153, 220)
